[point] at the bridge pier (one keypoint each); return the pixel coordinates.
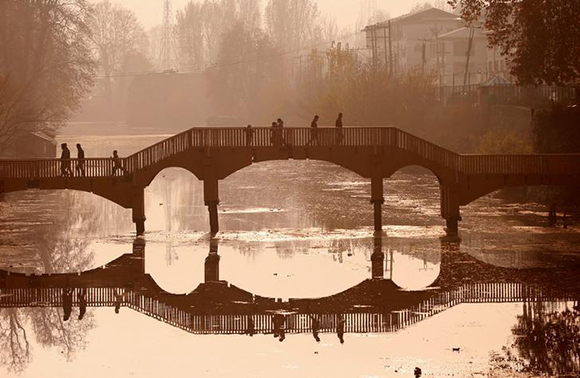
(377, 200)
(212, 263)
(450, 207)
(138, 210)
(211, 198)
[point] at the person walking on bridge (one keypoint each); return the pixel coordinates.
(249, 135)
(65, 170)
(66, 303)
(117, 165)
(81, 160)
(82, 297)
(314, 131)
(340, 328)
(338, 125)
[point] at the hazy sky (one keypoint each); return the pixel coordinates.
(345, 12)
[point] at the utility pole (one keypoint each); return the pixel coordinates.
(391, 67)
(468, 53)
(167, 51)
(435, 31)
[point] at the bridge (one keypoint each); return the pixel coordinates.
(376, 153)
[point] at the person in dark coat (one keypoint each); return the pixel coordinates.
(314, 131)
(117, 165)
(249, 135)
(65, 170)
(81, 160)
(338, 125)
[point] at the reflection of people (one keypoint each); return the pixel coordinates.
(118, 300)
(278, 326)
(251, 329)
(81, 160)
(66, 303)
(65, 170)
(315, 327)
(82, 297)
(117, 163)
(340, 328)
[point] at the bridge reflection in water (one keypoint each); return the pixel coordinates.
(218, 307)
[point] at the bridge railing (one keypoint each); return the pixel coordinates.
(524, 164)
(50, 168)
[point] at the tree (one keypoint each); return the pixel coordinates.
(201, 26)
(293, 24)
(541, 38)
(45, 64)
(116, 33)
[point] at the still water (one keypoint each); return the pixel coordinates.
(290, 229)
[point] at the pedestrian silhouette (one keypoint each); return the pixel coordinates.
(340, 328)
(82, 297)
(65, 170)
(81, 160)
(314, 131)
(66, 303)
(249, 135)
(338, 125)
(315, 327)
(278, 326)
(117, 164)
(281, 132)
(274, 139)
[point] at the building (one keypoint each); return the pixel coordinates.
(401, 43)
(436, 42)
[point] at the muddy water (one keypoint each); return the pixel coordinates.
(289, 229)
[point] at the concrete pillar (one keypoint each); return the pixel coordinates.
(138, 209)
(211, 198)
(212, 263)
(377, 200)
(450, 207)
(377, 259)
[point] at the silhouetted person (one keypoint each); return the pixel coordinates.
(65, 169)
(66, 303)
(278, 326)
(315, 327)
(118, 300)
(340, 329)
(274, 134)
(249, 135)
(82, 296)
(314, 131)
(117, 163)
(281, 132)
(338, 125)
(81, 160)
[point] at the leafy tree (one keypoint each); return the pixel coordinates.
(541, 38)
(45, 63)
